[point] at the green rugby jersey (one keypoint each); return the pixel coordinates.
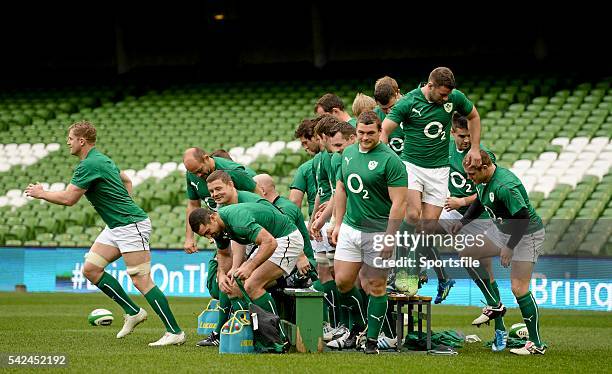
(396, 138)
(335, 165)
(321, 164)
(243, 222)
(458, 183)
(503, 196)
(99, 175)
(304, 180)
(198, 190)
(366, 177)
(427, 126)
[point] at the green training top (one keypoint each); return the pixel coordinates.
(396, 139)
(427, 126)
(304, 180)
(243, 222)
(458, 183)
(366, 177)
(321, 164)
(503, 197)
(99, 175)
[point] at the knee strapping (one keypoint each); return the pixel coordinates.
(321, 258)
(96, 259)
(142, 269)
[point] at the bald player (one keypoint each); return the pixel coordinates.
(199, 166)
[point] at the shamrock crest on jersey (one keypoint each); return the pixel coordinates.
(372, 165)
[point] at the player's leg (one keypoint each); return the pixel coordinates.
(483, 277)
(377, 307)
(524, 257)
(347, 263)
(103, 252)
(133, 242)
(406, 279)
(435, 192)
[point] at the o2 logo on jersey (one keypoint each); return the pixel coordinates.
(492, 215)
(359, 189)
(461, 183)
(210, 203)
(438, 131)
(396, 144)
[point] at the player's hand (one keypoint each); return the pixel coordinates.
(321, 208)
(225, 283)
(506, 256)
(302, 264)
(456, 227)
(387, 251)
(333, 239)
(315, 232)
(34, 190)
(454, 203)
(473, 157)
(330, 231)
(243, 272)
(190, 246)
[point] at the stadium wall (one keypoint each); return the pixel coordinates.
(558, 282)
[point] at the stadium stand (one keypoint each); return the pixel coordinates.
(554, 133)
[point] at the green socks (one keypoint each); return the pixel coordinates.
(499, 321)
(354, 302)
(327, 303)
(377, 310)
(531, 316)
(480, 276)
(159, 303)
(224, 310)
(112, 288)
(266, 302)
(389, 326)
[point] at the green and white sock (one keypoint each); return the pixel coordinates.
(266, 302)
(531, 316)
(481, 278)
(224, 311)
(354, 302)
(499, 321)
(377, 309)
(112, 288)
(160, 305)
(317, 285)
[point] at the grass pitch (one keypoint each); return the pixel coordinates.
(57, 323)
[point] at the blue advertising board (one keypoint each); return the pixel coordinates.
(558, 282)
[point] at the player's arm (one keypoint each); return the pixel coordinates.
(324, 216)
(190, 243)
(296, 196)
(127, 182)
(474, 127)
(238, 254)
(474, 211)
(267, 245)
(398, 208)
(453, 203)
(70, 196)
(340, 208)
(388, 126)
